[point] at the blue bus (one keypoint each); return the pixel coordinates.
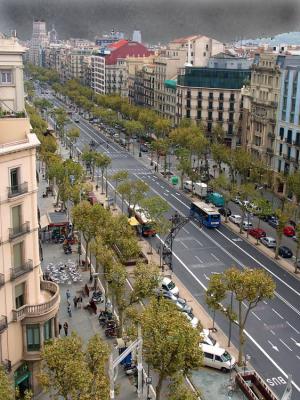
(205, 214)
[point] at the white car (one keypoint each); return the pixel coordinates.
(268, 241)
(169, 286)
(235, 218)
(206, 338)
(247, 225)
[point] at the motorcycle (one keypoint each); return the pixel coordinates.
(130, 369)
(110, 332)
(97, 297)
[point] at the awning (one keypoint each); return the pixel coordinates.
(44, 221)
(133, 221)
(57, 219)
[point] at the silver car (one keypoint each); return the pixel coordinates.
(268, 242)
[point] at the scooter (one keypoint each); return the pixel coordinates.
(97, 297)
(110, 332)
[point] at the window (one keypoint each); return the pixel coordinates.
(230, 129)
(221, 96)
(33, 337)
(218, 358)
(208, 355)
(5, 77)
(281, 133)
(188, 94)
(209, 127)
(220, 116)
(198, 114)
(211, 95)
(209, 116)
(16, 218)
(14, 179)
(280, 149)
(188, 113)
(199, 104)
(210, 105)
(232, 97)
(289, 136)
(188, 103)
(18, 254)
(206, 47)
(199, 95)
(279, 166)
(48, 330)
(20, 295)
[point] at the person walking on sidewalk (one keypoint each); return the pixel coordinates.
(75, 300)
(66, 327)
(59, 328)
(69, 310)
(68, 294)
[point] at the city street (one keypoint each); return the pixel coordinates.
(273, 329)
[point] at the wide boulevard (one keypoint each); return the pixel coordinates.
(273, 327)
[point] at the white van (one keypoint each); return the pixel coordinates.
(216, 357)
(188, 186)
(206, 338)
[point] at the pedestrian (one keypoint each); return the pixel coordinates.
(75, 301)
(68, 294)
(69, 310)
(66, 327)
(59, 328)
(80, 302)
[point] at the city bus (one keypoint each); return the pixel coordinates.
(205, 214)
(145, 227)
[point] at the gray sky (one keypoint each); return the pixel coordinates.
(159, 20)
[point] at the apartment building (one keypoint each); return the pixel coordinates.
(111, 69)
(262, 105)
(28, 305)
(287, 135)
(212, 96)
(141, 86)
(38, 40)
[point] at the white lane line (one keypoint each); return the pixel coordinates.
(199, 259)
(285, 345)
(298, 357)
(183, 244)
(168, 191)
(162, 186)
(264, 301)
(178, 194)
(198, 241)
(291, 326)
(273, 333)
(215, 257)
(256, 316)
(259, 263)
(295, 341)
(206, 277)
(276, 312)
(166, 194)
(185, 230)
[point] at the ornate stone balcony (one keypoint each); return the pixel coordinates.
(17, 190)
(49, 290)
(3, 323)
(19, 230)
(15, 272)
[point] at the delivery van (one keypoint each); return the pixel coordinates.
(216, 357)
(216, 199)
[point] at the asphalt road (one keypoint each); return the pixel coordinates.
(273, 328)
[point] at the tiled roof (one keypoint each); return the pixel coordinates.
(128, 49)
(118, 44)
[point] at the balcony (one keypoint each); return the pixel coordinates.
(288, 141)
(2, 280)
(3, 323)
(17, 190)
(15, 272)
(51, 292)
(19, 230)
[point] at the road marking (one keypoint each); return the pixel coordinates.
(259, 263)
(265, 302)
(296, 330)
(178, 194)
(183, 244)
(215, 257)
(185, 230)
(199, 259)
(273, 333)
(285, 344)
(206, 277)
(256, 316)
(200, 244)
(295, 341)
(168, 191)
(273, 347)
(276, 312)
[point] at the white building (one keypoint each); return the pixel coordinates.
(38, 40)
(137, 36)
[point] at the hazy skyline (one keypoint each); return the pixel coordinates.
(158, 20)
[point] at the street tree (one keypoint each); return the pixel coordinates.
(246, 193)
(89, 220)
(248, 287)
(73, 134)
(119, 177)
(242, 162)
(218, 134)
(89, 156)
(162, 127)
(220, 153)
(263, 209)
(178, 390)
(297, 234)
(184, 164)
(133, 191)
(133, 128)
(6, 386)
(102, 162)
(70, 371)
(170, 343)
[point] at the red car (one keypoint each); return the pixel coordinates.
(257, 233)
(289, 231)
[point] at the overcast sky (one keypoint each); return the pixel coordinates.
(159, 20)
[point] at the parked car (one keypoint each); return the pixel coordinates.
(216, 357)
(169, 286)
(144, 148)
(285, 252)
(273, 222)
(206, 338)
(225, 211)
(236, 200)
(289, 231)
(247, 225)
(236, 219)
(268, 241)
(257, 233)
(182, 305)
(191, 317)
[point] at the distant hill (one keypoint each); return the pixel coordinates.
(282, 38)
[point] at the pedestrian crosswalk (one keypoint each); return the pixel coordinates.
(137, 171)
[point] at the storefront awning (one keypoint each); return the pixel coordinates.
(133, 221)
(44, 221)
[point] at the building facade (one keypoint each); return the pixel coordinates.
(212, 96)
(38, 40)
(28, 305)
(262, 104)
